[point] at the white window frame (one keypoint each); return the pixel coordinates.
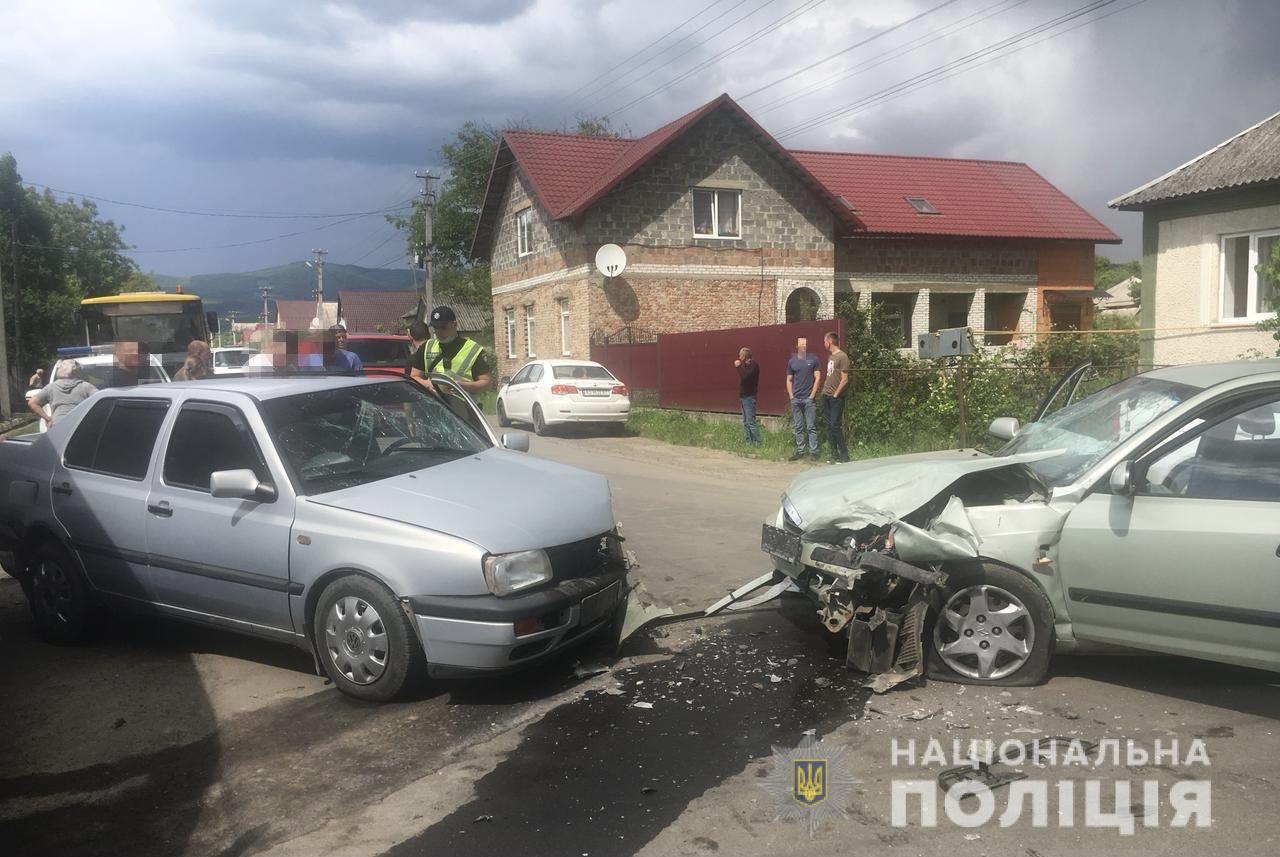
(528, 331)
(566, 348)
(511, 332)
(1251, 316)
(524, 232)
(715, 214)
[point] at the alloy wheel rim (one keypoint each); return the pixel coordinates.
(984, 632)
(356, 640)
(55, 590)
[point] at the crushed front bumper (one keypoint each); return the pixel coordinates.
(478, 634)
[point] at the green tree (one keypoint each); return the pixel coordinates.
(1106, 274)
(63, 253)
(138, 282)
(1270, 275)
(467, 157)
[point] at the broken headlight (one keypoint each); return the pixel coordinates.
(789, 509)
(512, 572)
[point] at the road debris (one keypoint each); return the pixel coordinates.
(642, 705)
(589, 669)
(920, 714)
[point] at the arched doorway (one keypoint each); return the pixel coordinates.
(803, 305)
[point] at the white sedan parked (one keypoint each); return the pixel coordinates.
(554, 392)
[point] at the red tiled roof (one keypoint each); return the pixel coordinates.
(298, 315)
(383, 311)
(570, 173)
(1001, 199)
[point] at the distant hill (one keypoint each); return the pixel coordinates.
(239, 292)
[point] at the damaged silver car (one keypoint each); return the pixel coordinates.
(1145, 515)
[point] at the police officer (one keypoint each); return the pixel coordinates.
(448, 353)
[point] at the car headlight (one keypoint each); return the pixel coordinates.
(512, 572)
(789, 509)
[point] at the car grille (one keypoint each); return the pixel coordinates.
(578, 559)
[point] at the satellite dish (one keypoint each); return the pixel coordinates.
(611, 260)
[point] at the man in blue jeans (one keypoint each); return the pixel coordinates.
(833, 397)
(748, 385)
(803, 377)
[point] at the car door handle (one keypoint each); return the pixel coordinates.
(161, 509)
(62, 488)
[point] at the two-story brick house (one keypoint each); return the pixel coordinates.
(723, 227)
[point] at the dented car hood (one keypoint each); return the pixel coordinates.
(881, 490)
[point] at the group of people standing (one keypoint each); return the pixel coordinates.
(805, 379)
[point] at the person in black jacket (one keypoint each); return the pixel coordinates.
(748, 385)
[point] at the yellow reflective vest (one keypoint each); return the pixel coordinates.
(464, 359)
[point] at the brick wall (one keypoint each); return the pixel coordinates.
(654, 206)
(1065, 265)
(937, 260)
(544, 301)
(674, 305)
(551, 239)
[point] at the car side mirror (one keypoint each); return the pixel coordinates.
(503, 380)
(515, 441)
(1004, 428)
(1122, 480)
(241, 484)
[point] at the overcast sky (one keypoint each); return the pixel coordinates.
(329, 107)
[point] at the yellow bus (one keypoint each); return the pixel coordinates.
(162, 322)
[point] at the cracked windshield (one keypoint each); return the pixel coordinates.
(639, 428)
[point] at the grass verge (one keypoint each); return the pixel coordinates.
(683, 429)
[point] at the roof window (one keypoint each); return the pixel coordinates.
(922, 205)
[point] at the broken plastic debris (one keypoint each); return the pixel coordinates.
(480, 818)
(642, 705)
(1027, 709)
(774, 679)
(589, 669)
(921, 714)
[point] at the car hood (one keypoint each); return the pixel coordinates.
(879, 490)
(500, 500)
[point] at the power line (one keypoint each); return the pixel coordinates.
(892, 54)
(701, 42)
(852, 47)
(776, 24)
(600, 79)
(839, 112)
(227, 213)
(998, 57)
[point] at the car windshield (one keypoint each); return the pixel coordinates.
(380, 352)
(1089, 429)
(232, 359)
(591, 373)
(352, 435)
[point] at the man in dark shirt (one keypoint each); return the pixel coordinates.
(748, 385)
(804, 375)
(419, 333)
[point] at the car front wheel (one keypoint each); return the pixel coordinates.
(366, 644)
(503, 421)
(995, 627)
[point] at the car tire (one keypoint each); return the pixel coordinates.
(995, 627)
(539, 423)
(364, 640)
(503, 422)
(59, 596)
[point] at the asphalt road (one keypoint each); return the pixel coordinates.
(161, 739)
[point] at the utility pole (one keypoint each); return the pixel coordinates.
(264, 291)
(319, 266)
(231, 329)
(426, 295)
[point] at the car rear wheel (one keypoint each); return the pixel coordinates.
(995, 627)
(59, 596)
(366, 644)
(503, 422)
(539, 423)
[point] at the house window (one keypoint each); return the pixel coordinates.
(1246, 294)
(565, 348)
(528, 330)
(717, 214)
(511, 332)
(894, 310)
(524, 232)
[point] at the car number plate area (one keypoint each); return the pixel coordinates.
(780, 543)
(587, 391)
(595, 606)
